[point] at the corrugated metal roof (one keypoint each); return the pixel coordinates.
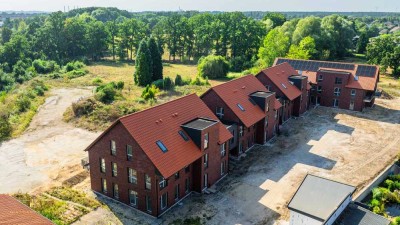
(319, 197)
(14, 212)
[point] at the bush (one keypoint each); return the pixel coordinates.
(5, 126)
(164, 84)
(97, 81)
(38, 87)
(7, 81)
(45, 67)
(213, 67)
(120, 85)
(106, 93)
(199, 81)
(83, 107)
(178, 80)
(76, 73)
(77, 65)
(150, 92)
(69, 194)
(240, 63)
(23, 103)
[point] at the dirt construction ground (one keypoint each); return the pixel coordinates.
(350, 147)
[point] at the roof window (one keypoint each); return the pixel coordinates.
(284, 86)
(161, 146)
(241, 107)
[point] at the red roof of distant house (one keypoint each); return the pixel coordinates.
(279, 75)
(163, 122)
(277, 104)
(238, 91)
(367, 75)
(14, 212)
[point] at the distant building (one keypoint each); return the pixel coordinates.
(341, 85)
(320, 201)
(14, 212)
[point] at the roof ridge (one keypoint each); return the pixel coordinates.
(348, 63)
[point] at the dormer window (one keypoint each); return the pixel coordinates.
(241, 107)
(219, 112)
(161, 146)
(206, 141)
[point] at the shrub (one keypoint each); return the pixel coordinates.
(213, 67)
(199, 81)
(76, 73)
(178, 80)
(164, 84)
(120, 85)
(45, 67)
(83, 107)
(5, 126)
(150, 92)
(77, 65)
(97, 81)
(23, 103)
(38, 87)
(106, 93)
(240, 63)
(7, 81)
(69, 194)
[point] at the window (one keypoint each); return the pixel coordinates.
(240, 147)
(232, 141)
(266, 121)
(164, 200)
(132, 176)
(252, 101)
(241, 107)
(161, 146)
(187, 185)
(222, 149)
(115, 192)
(104, 186)
(177, 175)
(148, 203)
(205, 180)
(113, 148)
(336, 91)
(102, 165)
(147, 178)
(187, 169)
(284, 86)
(338, 80)
(220, 112)
(206, 141)
(335, 103)
(183, 135)
(320, 77)
(222, 168)
(240, 131)
(176, 192)
(319, 90)
(276, 114)
(133, 198)
(267, 107)
(114, 169)
(163, 183)
(129, 153)
(353, 92)
(206, 160)
(268, 87)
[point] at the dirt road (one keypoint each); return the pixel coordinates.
(47, 150)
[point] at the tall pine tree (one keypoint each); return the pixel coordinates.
(143, 65)
(156, 59)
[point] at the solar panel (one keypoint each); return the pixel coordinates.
(366, 71)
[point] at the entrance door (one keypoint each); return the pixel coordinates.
(351, 105)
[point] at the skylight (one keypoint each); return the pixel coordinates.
(241, 107)
(161, 146)
(183, 135)
(284, 86)
(252, 101)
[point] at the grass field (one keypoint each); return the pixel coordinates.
(390, 85)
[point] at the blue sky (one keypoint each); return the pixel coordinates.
(209, 5)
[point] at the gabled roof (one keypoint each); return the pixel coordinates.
(14, 212)
(238, 91)
(357, 215)
(367, 75)
(162, 123)
(319, 197)
(279, 75)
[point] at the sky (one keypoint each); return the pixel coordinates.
(208, 5)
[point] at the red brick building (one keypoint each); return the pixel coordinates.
(341, 85)
(250, 111)
(152, 159)
(291, 89)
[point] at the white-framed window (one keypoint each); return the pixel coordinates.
(335, 103)
(240, 131)
(319, 89)
(353, 92)
(102, 165)
(177, 192)
(147, 178)
(113, 148)
(164, 200)
(187, 185)
(206, 141)
(320, 77)
(222, 168)
(104, 186)
(132, 176)
(163, 183)
(205, 160)
(338, 80)
(114, 169)
(129, 153)
(276, 114)
(336, 91)
(116, 191)
(133, 198)
(267, 107)
(148, 203)
(222, 149)
(219, 112)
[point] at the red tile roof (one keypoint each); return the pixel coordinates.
(312, 76)
(277, 104)
(238, 91)
(162, 123)
(14, 212)
(279, 75)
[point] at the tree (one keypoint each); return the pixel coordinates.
(309, 26)
(385, 51)
(155, 59)
(338, 34)
(143, 65)
(278, 19)
(275, 44)
(305, 50)
(213, 67)
(112, 30)
(5, 35)
(14, 50)
(96, 36)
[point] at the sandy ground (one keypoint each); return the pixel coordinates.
(48, 151)
(350, 147)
